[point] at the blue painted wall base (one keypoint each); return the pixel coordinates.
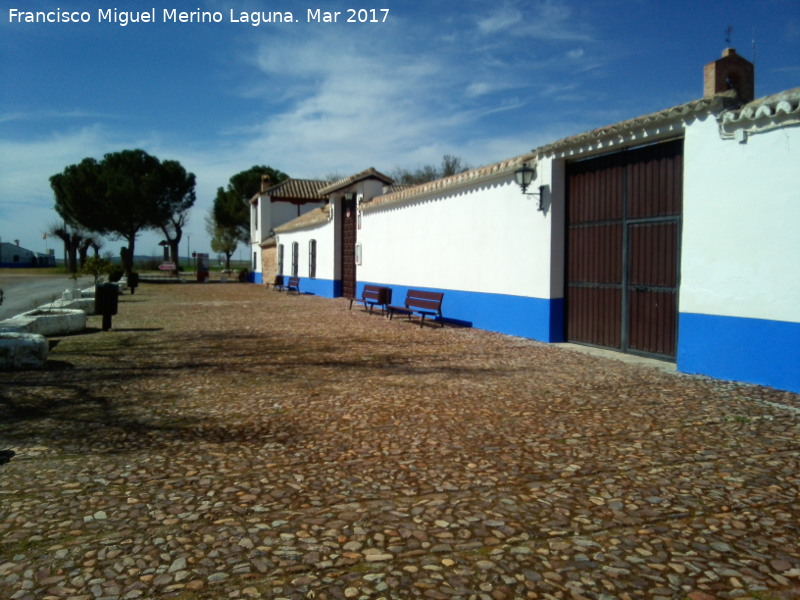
(318, 287)
(741, 349)
(535, 318)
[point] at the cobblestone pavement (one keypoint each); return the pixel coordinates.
(224, 441)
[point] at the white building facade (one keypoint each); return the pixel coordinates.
(15, 256)
(271, 207)
(673, 235)
(740, 272)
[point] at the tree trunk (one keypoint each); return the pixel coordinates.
(72, 255)
(71, 242)
(127, 256)
(83, 251)
(173, 250)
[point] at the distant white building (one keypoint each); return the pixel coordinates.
(672, 235)
(15, 256)
(272, 206)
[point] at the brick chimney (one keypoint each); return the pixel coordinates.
(731, 72)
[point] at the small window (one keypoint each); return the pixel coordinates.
(295, 258)
(280, 259)
(312, 258)
(255, 261)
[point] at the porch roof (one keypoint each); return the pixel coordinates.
(294, 189)
(311, 218)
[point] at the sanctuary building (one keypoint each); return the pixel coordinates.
(674, 235)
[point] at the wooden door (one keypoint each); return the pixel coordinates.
(623, 241)
(348, 254)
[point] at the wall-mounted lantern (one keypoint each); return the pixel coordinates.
(524, 176)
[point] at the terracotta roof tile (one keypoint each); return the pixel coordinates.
(294, 189)
(309, 219)
(785, 103)
(370, 173)
(503, 167)
(634, 129)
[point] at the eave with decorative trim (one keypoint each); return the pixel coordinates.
(657, 126)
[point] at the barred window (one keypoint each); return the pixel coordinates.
(312, 258)
(295, 258)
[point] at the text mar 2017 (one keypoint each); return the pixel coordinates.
(350, 15)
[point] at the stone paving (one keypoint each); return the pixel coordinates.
(224, 441)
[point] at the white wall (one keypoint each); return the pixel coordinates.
(258, 231)
(741, 230)
(485, 238)
(269, 215)
(323, 233)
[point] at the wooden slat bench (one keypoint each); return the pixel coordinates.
(293, 285)
(422, 303)
(373, 295)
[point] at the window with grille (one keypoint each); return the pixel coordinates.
(312, 258)
(295, 258)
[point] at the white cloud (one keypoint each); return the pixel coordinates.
(343, 100)
(335, 103)
(543, 20)
(350, 103)
(502, 19)
(18, 117)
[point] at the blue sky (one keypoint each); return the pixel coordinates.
(481, 80)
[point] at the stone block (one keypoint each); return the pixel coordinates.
(20, 351)
(46, 322)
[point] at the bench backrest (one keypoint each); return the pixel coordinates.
(423, 299)
(294, 281)
(376, 293)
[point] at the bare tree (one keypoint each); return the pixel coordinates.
(72, 237)
(451, 165)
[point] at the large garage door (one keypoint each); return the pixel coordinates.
(623, 240)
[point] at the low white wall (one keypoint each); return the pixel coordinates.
(486, 238)
(323, 233)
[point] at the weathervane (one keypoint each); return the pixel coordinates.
(728, 35)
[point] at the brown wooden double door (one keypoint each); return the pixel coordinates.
(623, 242)
(348, 250)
